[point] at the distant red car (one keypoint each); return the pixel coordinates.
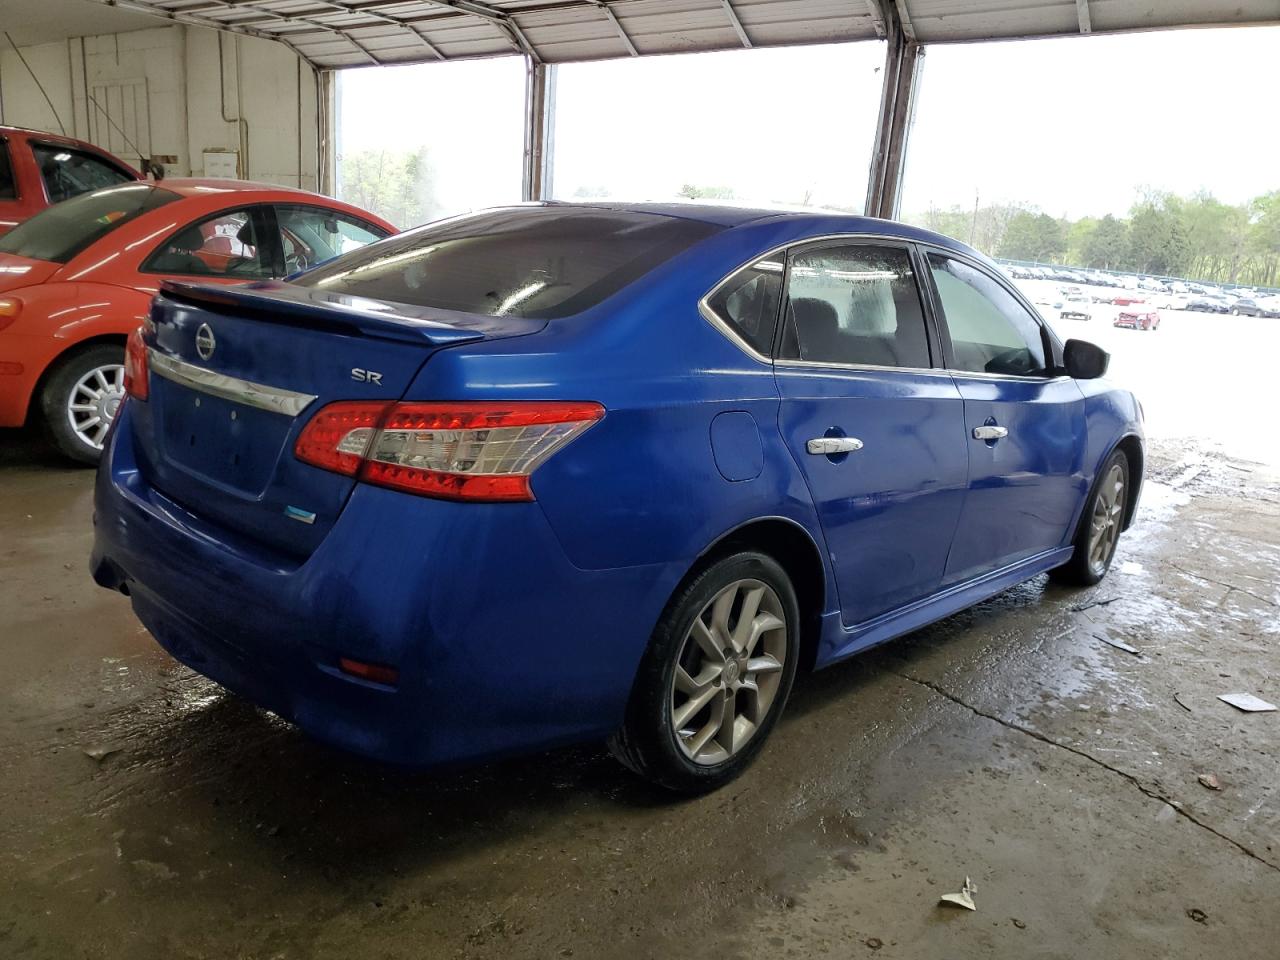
(1138, 318)
(1127, 299)
(77, 278)
(38, 169)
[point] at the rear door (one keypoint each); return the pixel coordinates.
(876, 428)
(1023, 421)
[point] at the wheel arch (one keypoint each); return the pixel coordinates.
(67, 352)
(794, 548)
(1131, 446)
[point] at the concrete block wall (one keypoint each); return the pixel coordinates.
(262, 102)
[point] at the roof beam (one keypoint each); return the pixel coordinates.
(617, 25)
(732, 14)
(1082, 12)
(908, 30)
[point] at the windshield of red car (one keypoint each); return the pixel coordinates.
(60, 232)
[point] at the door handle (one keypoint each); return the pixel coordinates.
(826, 446)
(989, 432)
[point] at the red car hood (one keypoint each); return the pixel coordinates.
(16, 271)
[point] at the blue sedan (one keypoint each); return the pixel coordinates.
(563, 472)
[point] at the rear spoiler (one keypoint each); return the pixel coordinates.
(278, 302)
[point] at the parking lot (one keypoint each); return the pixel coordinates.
(150, 814)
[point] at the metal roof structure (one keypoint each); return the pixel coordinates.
(351, 33)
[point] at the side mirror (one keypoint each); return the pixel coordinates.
(1084, 360)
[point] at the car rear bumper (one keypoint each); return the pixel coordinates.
(501, 644)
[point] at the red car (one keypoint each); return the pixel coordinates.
(78, 278)
(38, 169)
(1128, 299)
(1139, 317)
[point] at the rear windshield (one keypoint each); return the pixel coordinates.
(540, 262)
(60, 232)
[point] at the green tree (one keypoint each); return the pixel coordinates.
(695, 192)
(1157, 238)
(397, 186)
(1106, 245)
(1033, 236)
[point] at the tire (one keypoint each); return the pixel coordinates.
(1235, 312)
(1087, 566)
(699, 753)
(79, 433)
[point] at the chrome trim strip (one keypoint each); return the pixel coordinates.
(863, 367)
(273, 399)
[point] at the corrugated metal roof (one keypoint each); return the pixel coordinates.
(346, 33)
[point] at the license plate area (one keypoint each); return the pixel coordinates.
(230, 444)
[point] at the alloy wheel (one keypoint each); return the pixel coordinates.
(1108, 512)
(93, 401)
(728, 671)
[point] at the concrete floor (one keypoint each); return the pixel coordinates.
(1007, 744)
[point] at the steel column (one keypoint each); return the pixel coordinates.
(539, 128)
(902, 64)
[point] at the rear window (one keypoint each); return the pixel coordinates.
(541, 262)
(60, 232)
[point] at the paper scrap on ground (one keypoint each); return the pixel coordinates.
(1210, 780)
(964, 898)
(1247, 702)
(1118, 644)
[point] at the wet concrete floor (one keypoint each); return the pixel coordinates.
(144, 813)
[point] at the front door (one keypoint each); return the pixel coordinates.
(1024, 423)
(877, 431)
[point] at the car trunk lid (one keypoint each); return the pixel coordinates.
(235, 374)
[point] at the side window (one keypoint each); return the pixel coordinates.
(8, 189)
(68, 173)
(748, 302)
(312, 235)
(991, 332)
(854, 304)
(225, 245)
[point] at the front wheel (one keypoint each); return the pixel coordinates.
(1100, 525)
(715, 678)
(80, 399)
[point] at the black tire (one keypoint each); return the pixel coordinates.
(55, 398)
(1235, 312)
(1079, 571)
(648, 742)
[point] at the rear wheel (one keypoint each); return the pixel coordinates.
(715, 678)
(1100, 526)
(80, 399)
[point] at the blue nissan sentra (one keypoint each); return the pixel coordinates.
(560, 472)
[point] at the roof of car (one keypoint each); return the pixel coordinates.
(197, 186)
(826, 221)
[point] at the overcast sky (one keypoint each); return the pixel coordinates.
(1076, 126)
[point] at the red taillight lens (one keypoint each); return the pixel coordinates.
(135, 367)
(376, 672)
(454, 451)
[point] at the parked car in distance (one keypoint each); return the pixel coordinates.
(371, 498)
(1128, 298)
(1138, 317)
(38, 169)
(77, 278)
(1206, 303)
(1247, 307)
(1076, 304)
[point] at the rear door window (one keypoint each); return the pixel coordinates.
(542, 262)
(991, 332)
(60, 232)
(856, 304)
(311, 235)
(224, 245)
(68, 173)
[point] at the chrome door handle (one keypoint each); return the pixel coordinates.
(989, 432)
(826, 446)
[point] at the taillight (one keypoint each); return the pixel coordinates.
(10, 307)
(453, 451)
(135, 366)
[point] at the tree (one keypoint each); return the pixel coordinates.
(1106, 245)
(1157, 238)
(694, 192)
(1033, 236)
(396, 186)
